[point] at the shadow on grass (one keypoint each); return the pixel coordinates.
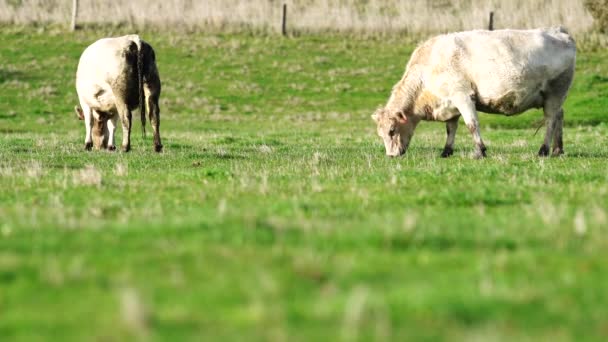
(7, 75)
(227, 156)
(446, 243)
(586, 154)
(11, 115)
(178, 146)
(12, 130)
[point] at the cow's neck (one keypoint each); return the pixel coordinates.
(404, 95)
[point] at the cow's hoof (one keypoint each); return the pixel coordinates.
(111, 148)
(447, 151)
(88, 146)
(480, 153)
(544, 151)
(158, 148)
(557, 152)
(126, 148)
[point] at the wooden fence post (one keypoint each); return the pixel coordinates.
(491, 23)
(284, 21)
(74, 14)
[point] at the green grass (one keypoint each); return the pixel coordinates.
(273, 212)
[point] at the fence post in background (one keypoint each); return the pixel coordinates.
(284, 21)
(491, 23)
(74, 14)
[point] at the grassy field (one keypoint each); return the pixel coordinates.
(273, 213)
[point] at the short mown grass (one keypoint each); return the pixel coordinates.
(273, 212)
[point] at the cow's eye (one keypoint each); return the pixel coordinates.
(391, 131)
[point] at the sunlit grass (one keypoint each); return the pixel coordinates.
(273, 213)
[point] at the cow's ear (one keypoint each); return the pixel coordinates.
(401, 117)
(377, 114)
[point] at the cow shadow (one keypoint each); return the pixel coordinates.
(586, 154)
(8, 75)
(10, 115)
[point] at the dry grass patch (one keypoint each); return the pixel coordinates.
(418, 16)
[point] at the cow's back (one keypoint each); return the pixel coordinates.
(107, 69)
(511, 67)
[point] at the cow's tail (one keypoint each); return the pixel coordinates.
(140, 83)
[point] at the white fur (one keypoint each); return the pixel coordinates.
(100, 68)
(504, 72)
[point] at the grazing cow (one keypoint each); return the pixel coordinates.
(114, 77)
(501, 72)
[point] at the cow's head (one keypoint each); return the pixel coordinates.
(99, 129)
(100, 133)
(396, 130)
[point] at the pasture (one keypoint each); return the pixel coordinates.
(273, 214)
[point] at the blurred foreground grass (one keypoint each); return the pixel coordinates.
(273, 213)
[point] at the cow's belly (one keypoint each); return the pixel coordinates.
(512, 102)
(444, 111)
(102, 102)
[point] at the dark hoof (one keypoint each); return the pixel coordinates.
(447, 151)
(88, 146)
(126, 148)
(557, 152)
(480, 153)
(158, 148)
(544, 151)
(111, 148)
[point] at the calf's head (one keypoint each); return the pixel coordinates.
(395, 129)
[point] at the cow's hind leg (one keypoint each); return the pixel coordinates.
(558, 143)
(125, 119)
(552, 111)
(467, 109)
(154, 113)
(451, 127)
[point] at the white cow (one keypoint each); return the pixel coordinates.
(502, 72)
(114, 77)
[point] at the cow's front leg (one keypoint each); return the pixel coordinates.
(86, 113)
(451, 127)
(466, 107)
(125, 119)
(111, 133)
